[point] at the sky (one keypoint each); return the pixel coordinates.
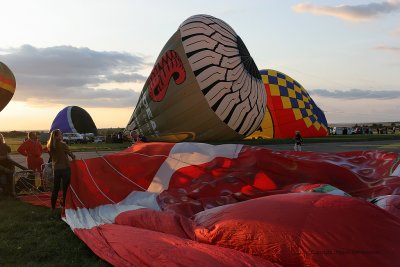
(97, 54)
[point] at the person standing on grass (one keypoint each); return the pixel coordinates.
(59, 152)
(32, 150)
(298, 141)
(6, 168)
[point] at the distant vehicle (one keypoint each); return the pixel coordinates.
(88, 137)
(99, 139)
(342, 130)
(73, 138)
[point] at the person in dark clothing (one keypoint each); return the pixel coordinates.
(143, 138)
(298, 141)
(59, 152)
(6, 169)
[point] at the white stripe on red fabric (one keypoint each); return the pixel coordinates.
(88, 218)
(187, 154)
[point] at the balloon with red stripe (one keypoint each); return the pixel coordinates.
(7, 85)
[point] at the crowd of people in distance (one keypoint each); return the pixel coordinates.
(136, 137)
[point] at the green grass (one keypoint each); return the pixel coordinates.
(30, 236)
(14, 143)
(99, 147)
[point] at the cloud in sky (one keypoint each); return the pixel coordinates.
(351, 12)
(74, 76)
(396, 32)
(394, 49)
(355, 94)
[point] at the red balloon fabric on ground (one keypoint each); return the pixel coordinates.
(196, 204)
(305, 229)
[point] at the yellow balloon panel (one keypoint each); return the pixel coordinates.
(7, 85)
(266, 129)
(204, 87)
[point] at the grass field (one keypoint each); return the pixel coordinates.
(30, 236)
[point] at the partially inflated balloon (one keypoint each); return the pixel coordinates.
(204, 87)
(74, 119)
(7, 85)
(289, 108)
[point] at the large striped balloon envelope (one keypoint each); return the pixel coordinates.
(204, 86)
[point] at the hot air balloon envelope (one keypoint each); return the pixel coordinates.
(73, 119)
(289, 109)
(247, 203)
(7, 85)
(204, 86)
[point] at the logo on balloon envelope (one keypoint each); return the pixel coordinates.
(170, 66)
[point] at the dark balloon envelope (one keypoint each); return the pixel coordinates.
(74, 119)
(7, 85)
(204, 86)
(289, 108)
